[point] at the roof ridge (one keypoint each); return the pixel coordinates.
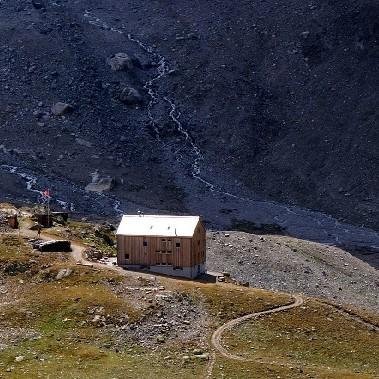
(162, 225)
(161, 216)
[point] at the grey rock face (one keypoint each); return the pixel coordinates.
(60, 109)
(120, 62)
(64, 273)
(101, 185)
(130, 96)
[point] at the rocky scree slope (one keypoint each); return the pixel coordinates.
(287, 264)
(276, 99)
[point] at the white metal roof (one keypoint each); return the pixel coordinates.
(157, 225)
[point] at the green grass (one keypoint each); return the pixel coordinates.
(229, 369)
(226, 301)
(85, 233)
(49, 358)
(70, 298)
(302, 342)
(313, 336)
(12, 248)
(70, 345)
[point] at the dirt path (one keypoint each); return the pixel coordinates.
(353, 316)
(217, 335)
(77, 254)
(77, 249)
(216, 339)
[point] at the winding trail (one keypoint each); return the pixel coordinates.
(77, 254)
(216, 339)
(218, 347)
(217, 335)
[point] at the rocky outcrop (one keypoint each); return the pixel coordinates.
(83, 142)
(130, 96)
(53, 246)
(63, 273)
(120, 62)
(101, 185)
(60, 109)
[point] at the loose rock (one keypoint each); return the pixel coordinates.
(60, 109)
(120, 62)
(130, 96)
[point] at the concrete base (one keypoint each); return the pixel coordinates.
(186, 272)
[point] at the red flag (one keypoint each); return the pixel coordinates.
(46, 193)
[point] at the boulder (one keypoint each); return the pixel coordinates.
(14, 268)
(197, 352)
(53, 246)
(161, 338)
(97, 319)
(83, 142)
(120, 62)
(64, 273)
(203, 357)
(37, 4)
(101, 185)
(19, 358)
(60, 109)
(130, 96)
(142, 62)
(94, 255)
(13, 222)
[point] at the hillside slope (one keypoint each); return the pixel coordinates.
(60, 318)
(260, 100)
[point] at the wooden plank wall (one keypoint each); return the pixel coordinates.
(156, 251)
(199, 245)
(191, 251)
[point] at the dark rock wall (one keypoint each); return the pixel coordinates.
(278, 96)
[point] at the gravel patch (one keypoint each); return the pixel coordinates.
(287, 264)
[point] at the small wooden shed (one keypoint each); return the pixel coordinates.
(171, 245)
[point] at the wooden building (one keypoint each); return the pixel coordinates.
(171, 245)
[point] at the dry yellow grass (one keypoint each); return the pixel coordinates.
(313, 337)
(313, 340)
(70, 345)
(86, 234)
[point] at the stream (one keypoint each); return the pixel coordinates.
(297, 221)
(207, 197)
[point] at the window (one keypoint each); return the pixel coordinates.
(144, 243)
(178, 244)
(126, 256)
(163, 244)
(178, 268)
